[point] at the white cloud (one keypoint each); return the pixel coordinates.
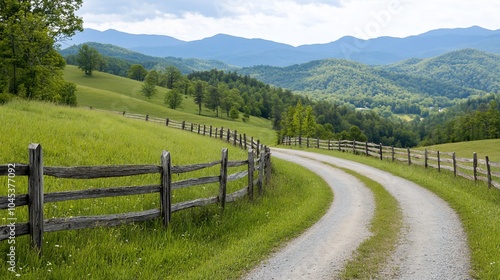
(290, 21)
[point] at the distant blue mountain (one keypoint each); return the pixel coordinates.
(249, 52)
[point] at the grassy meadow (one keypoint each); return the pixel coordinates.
(201, 243)
(110, 92)
(477, 206)
(490, 148)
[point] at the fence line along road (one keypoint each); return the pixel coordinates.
(470, 168)
(259, 159)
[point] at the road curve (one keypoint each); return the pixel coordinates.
(322, 250)
(434, 244)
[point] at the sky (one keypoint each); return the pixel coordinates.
(294, 22)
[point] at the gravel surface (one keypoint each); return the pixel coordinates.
(433, 245)
(322, 250)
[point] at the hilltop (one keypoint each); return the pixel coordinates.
(245, 52)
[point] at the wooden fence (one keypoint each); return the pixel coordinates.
(470, 168)
(36, 197)
(259, 159)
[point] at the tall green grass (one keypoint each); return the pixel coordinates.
(201, 243)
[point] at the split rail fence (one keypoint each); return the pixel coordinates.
(470, 168)
(258, 173)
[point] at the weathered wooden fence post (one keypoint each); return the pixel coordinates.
(241, 141)
(439, 161)
(329, 143)
(216, 132)
(454, 164)
(488, 169)
(204, 129)
(223, 180)
(366, 148)
(317, 142)
(268, 164)
(235, 138)
(393, 153)
(166, 188)
(426, 158)
(192, 126)
(353, 146)
(183, 124)
(262, 162)
(307, 140)
(35, 195)
(251, 167)
(210, 131)
(258, 147)
(245, 141)
(339, 146)
(474, 165)
(228, 135)
(409, 156)
(221, 132)
(380, 149)
(147, 117)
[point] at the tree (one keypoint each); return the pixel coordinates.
(213, 99)
(137, 72)
(234, 113)
(174, 98)
(199, 94)
(88, 59)
(149, 85)
(172, 76)
(30, 65)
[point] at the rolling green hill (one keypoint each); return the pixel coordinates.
(407, 87)
(110, 92)
(185, 65)
(467, 68)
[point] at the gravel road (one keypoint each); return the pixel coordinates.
(322, 250)
(433, 243)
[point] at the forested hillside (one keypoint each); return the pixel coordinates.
(412, 87)
(118, 60)
(467, 68)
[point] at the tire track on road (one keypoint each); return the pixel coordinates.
(323, 249)
(434, 244)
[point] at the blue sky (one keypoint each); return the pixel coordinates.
(295, 22)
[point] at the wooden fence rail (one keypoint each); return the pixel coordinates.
(36, 197)
(470, 168)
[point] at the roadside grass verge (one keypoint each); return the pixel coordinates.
(371, 256)
(201, 243)
(477, 206)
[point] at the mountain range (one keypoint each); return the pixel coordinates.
(242, 52)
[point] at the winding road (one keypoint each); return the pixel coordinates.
(433, 243)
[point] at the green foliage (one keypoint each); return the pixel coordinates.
(137, 72)
(404, 88)
(199, 94)
(149, 85)
(30, 66)
(234, 113)
(173, 98)
(88, 59)
(474, 119)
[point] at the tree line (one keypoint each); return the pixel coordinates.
(30, 65)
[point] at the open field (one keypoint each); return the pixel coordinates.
(200, 243)
(490, 148)
(110, 92)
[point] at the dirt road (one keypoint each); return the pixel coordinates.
(433, 245)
